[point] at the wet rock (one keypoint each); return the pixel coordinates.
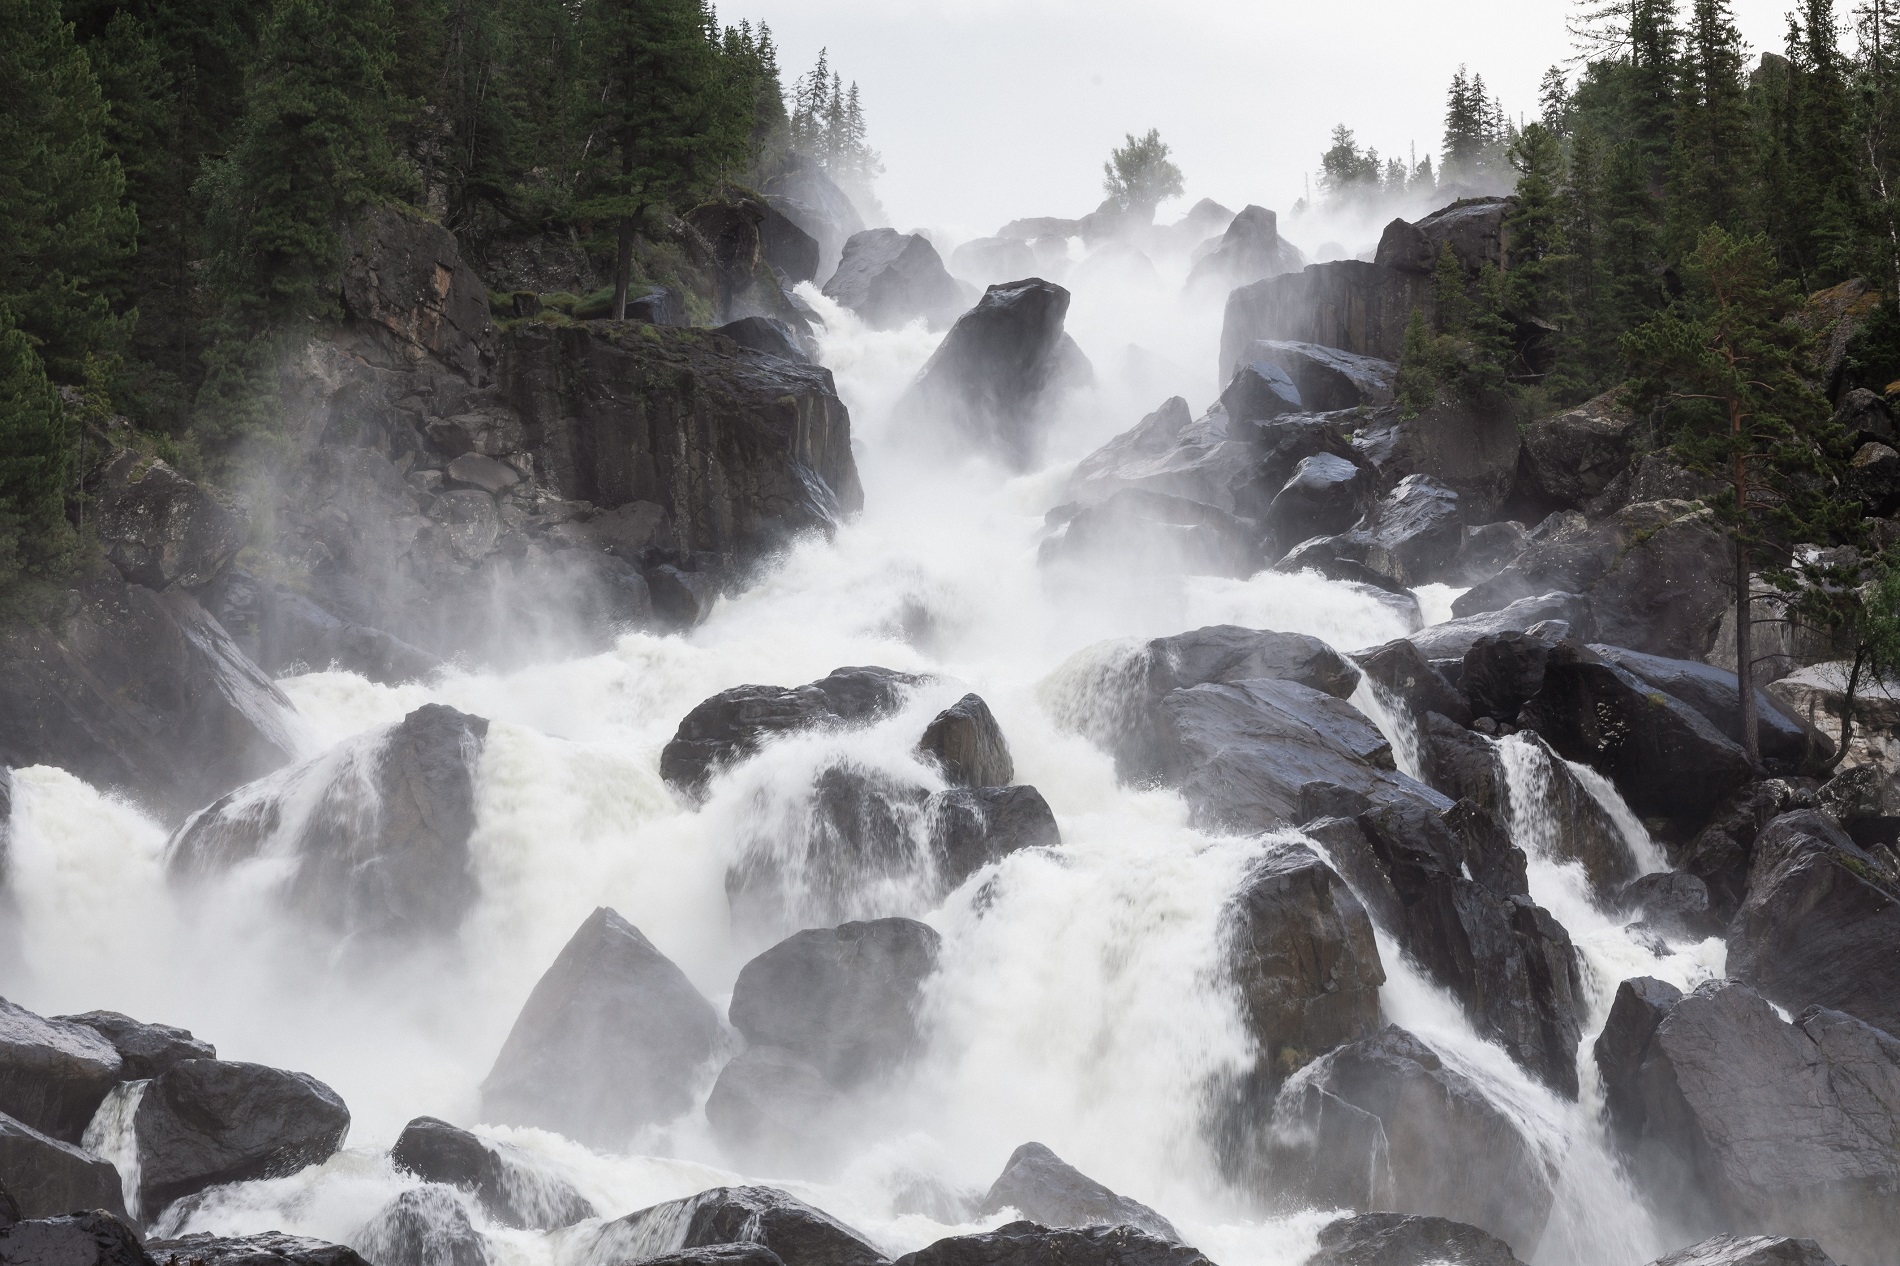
(1451, 639)
(1470, 446)
(1748, 1250)
(9, 1209)
(1172, 452)
(682, 599)
(1862, 413)
(1397, 1239)
(1385, 1123)
(1487, 550)
(139, 692)
(158, 527)
(1641, 1003)
(1736, 1119)
(204, 1122)
(1873, 479)
(272, 1248)
(54, 1074)
(1259, 392)
(611, 1039)
(512, 1186)
(970, 828)
(1140, 532)
(1401, 669)
(808, 198)
(1325, 496)
(733, 724)
(98, 1238)
(1409, 538)
(1503, 672)
(383, 847)
(146, 1049)
(1665, 758)
(1304, 960)
(765, 335)
(1821, 925)
(1570, 458)
(406, 284)
(1474, 230)
(1278, 445)
(719, 1255)
(283, 630)
(1250, 250)
(771, 1107)
(1720, 854)
(1027, 1244)
(1460, 763)
(891, 279)
(1550, 805)
(1786, 745)
(995, 376)
(1348, 304)
(1327, 378)
(45, 1177)
(424, 1226)
(799, 1234)
(1674, 903)
(843, 999)
(967, 743)
(482, 473)
(787, 247)
(1045, 1189)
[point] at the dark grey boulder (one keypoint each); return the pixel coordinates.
(843, 999)
(718, 1255)
(1027, 1244)
(808, 198)
(992, 381)
(1385, 1123)
(158, 527)
(1328, 378)
(1461, 763)
(272, 1248)
(972, 827)
(799, 1234)
(1864, 413)
(403, 869)
(1325, 495)
(890, 279)
(1675, 903)
(45, 1177)
(612, 1039)
(1276, 446)
(1304, 961)
(204, 1122)
(1250, 250)
(1641, 1003)
(968, 745)
(1350, 304)
(1503, 672)
(1748, 1250)
(1487, 550)
(1821, 924)
(282, 630)
(1469, 445)
(1873, 479)
(1398, 1239)
(770, 1106)
(1045, 1189)
(1261, 391)
(1453, 638)
(424, 1226)
(1571, 457)
(1721, 854)
(95, 1238)
(1409, 537)
(1169, 451)
(1138, 532)
(766, 335)
(1787, 746)
(1665, 758)
(1402, 670)
(512, 1187)
(787, 247)
(9, 1209)
(1567, 823)
(54, 1074)
(146, 1049)
(732, 724)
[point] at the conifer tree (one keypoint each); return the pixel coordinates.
(1535, 288)
(1591, 348)
(1139, 175)
(1708, 177)
(1826, 203)
(35, 450)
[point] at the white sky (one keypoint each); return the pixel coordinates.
(986, 110)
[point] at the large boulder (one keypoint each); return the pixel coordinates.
(1461, 763)
(799, 1234)
(1398, 1239)
(1570, 458)
(1349, 304)
(158, 527)
(1786, 745)
(46, 1177)
(1502, 672)
(732, 724)
(1735, 1119)
(1410, 537)
(1640, 1004)
(1260, 391)
(1673, 903)
(1172, 452)
(1138, 532)
(97, 1238)
(204, 1122)
(284, 631)
(511, 1187)
(1821, 925)
(1554, 815)
(787, 247)
(424, 1226)
(1043, 1188)
(1304, 961)
(1027, 1244)
(402, 868)
(54, 1074)
(1329, 379)
(993, 379)
(1403, 672)
(271, 1248)
(612, 1039)
(1325, 496)
(968, 745)
(1385, 1123)
(807, 197)
(843, 999)
(770, 1107)
(1250, 250)
(1721, 854)
(970, 828)
(139, 692)
(1471, 446)
(891, 279)
(146, 1049)
(1454, 638)
(1748, 1250)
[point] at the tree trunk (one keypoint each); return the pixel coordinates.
(623, 268)
(1745, 653)
(1847, 707)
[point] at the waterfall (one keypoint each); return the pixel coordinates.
(110, 1136)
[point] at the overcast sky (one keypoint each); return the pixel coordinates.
(986, 110)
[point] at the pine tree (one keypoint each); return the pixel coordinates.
(1708, 178)
(1826, 203)
(1553, 98)
(1467, 128)
(1632, 253)
(1878, 153)
(1535, 287)
(35, 452)
(1591, 349)
(1139, 175)
(1650, 105)
(1346, 173)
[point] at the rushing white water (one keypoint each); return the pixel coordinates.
(1080, 1000)
(109, 1136)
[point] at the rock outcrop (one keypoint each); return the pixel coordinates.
(75, 1239)
(1349, 304)
(271, 1248)
(54, 1074)
(1027, 1244)
(1170, 452)
(1398, 1239)
(158, 527)
(891, 279)
(799, 1234)
(968, 745)
(46, 1177)
(1045, 1189)
(146, 1050)
(1250, 250)
(511, 1187)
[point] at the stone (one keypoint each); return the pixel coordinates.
(971, 828)
(1873, 479)
(1277, 446)
(787, 247)
(611, 1040)
(1471, 446)
(406, 284)
(1137, 532)
(1397, 1239)
(9, 1209)
(968, 745)
(1570, 458)
(1408, 538)
(1786, 745)
(719, 1255)
(1327, 378)
(1821, 923)
(727, 238)
(145, 1049)
(511, 1186)
(1675, 903)
(1325, 496)
(891, 279)
(272, 1248)
(203, 1122)
(1170, 451)
(1352, 305)
(993, 380)
(54, 1074)
(1487, 550)
(142, 693)
(46, 1177)
(1043, 1188)
(1250, 250)
(1304, 961)
(1437, 1145)
(732, 724)
(766, 335)
(1862, 413)
(1453, 638)
(1503, 672)
(1402, 671)
(1260, 391)
(771, 1107)
(1720, 854)
(682, 599)
(1460, 763)
(484, 473)
(1027, 1244)
(1665, 758)
(402, 870)
(1748, 1250)
(96, 1238)
(1474, 229)
(283, 631)
(1641, 1003)
(808, 198)
(158, 527)
(799, 1234)
(424, 1226)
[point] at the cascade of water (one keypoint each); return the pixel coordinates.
(109, 1136)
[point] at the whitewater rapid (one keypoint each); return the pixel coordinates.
(1080, 1001)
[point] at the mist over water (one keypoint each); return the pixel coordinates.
(1080, 1000)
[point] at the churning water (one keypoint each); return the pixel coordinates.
(1080, 1001)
